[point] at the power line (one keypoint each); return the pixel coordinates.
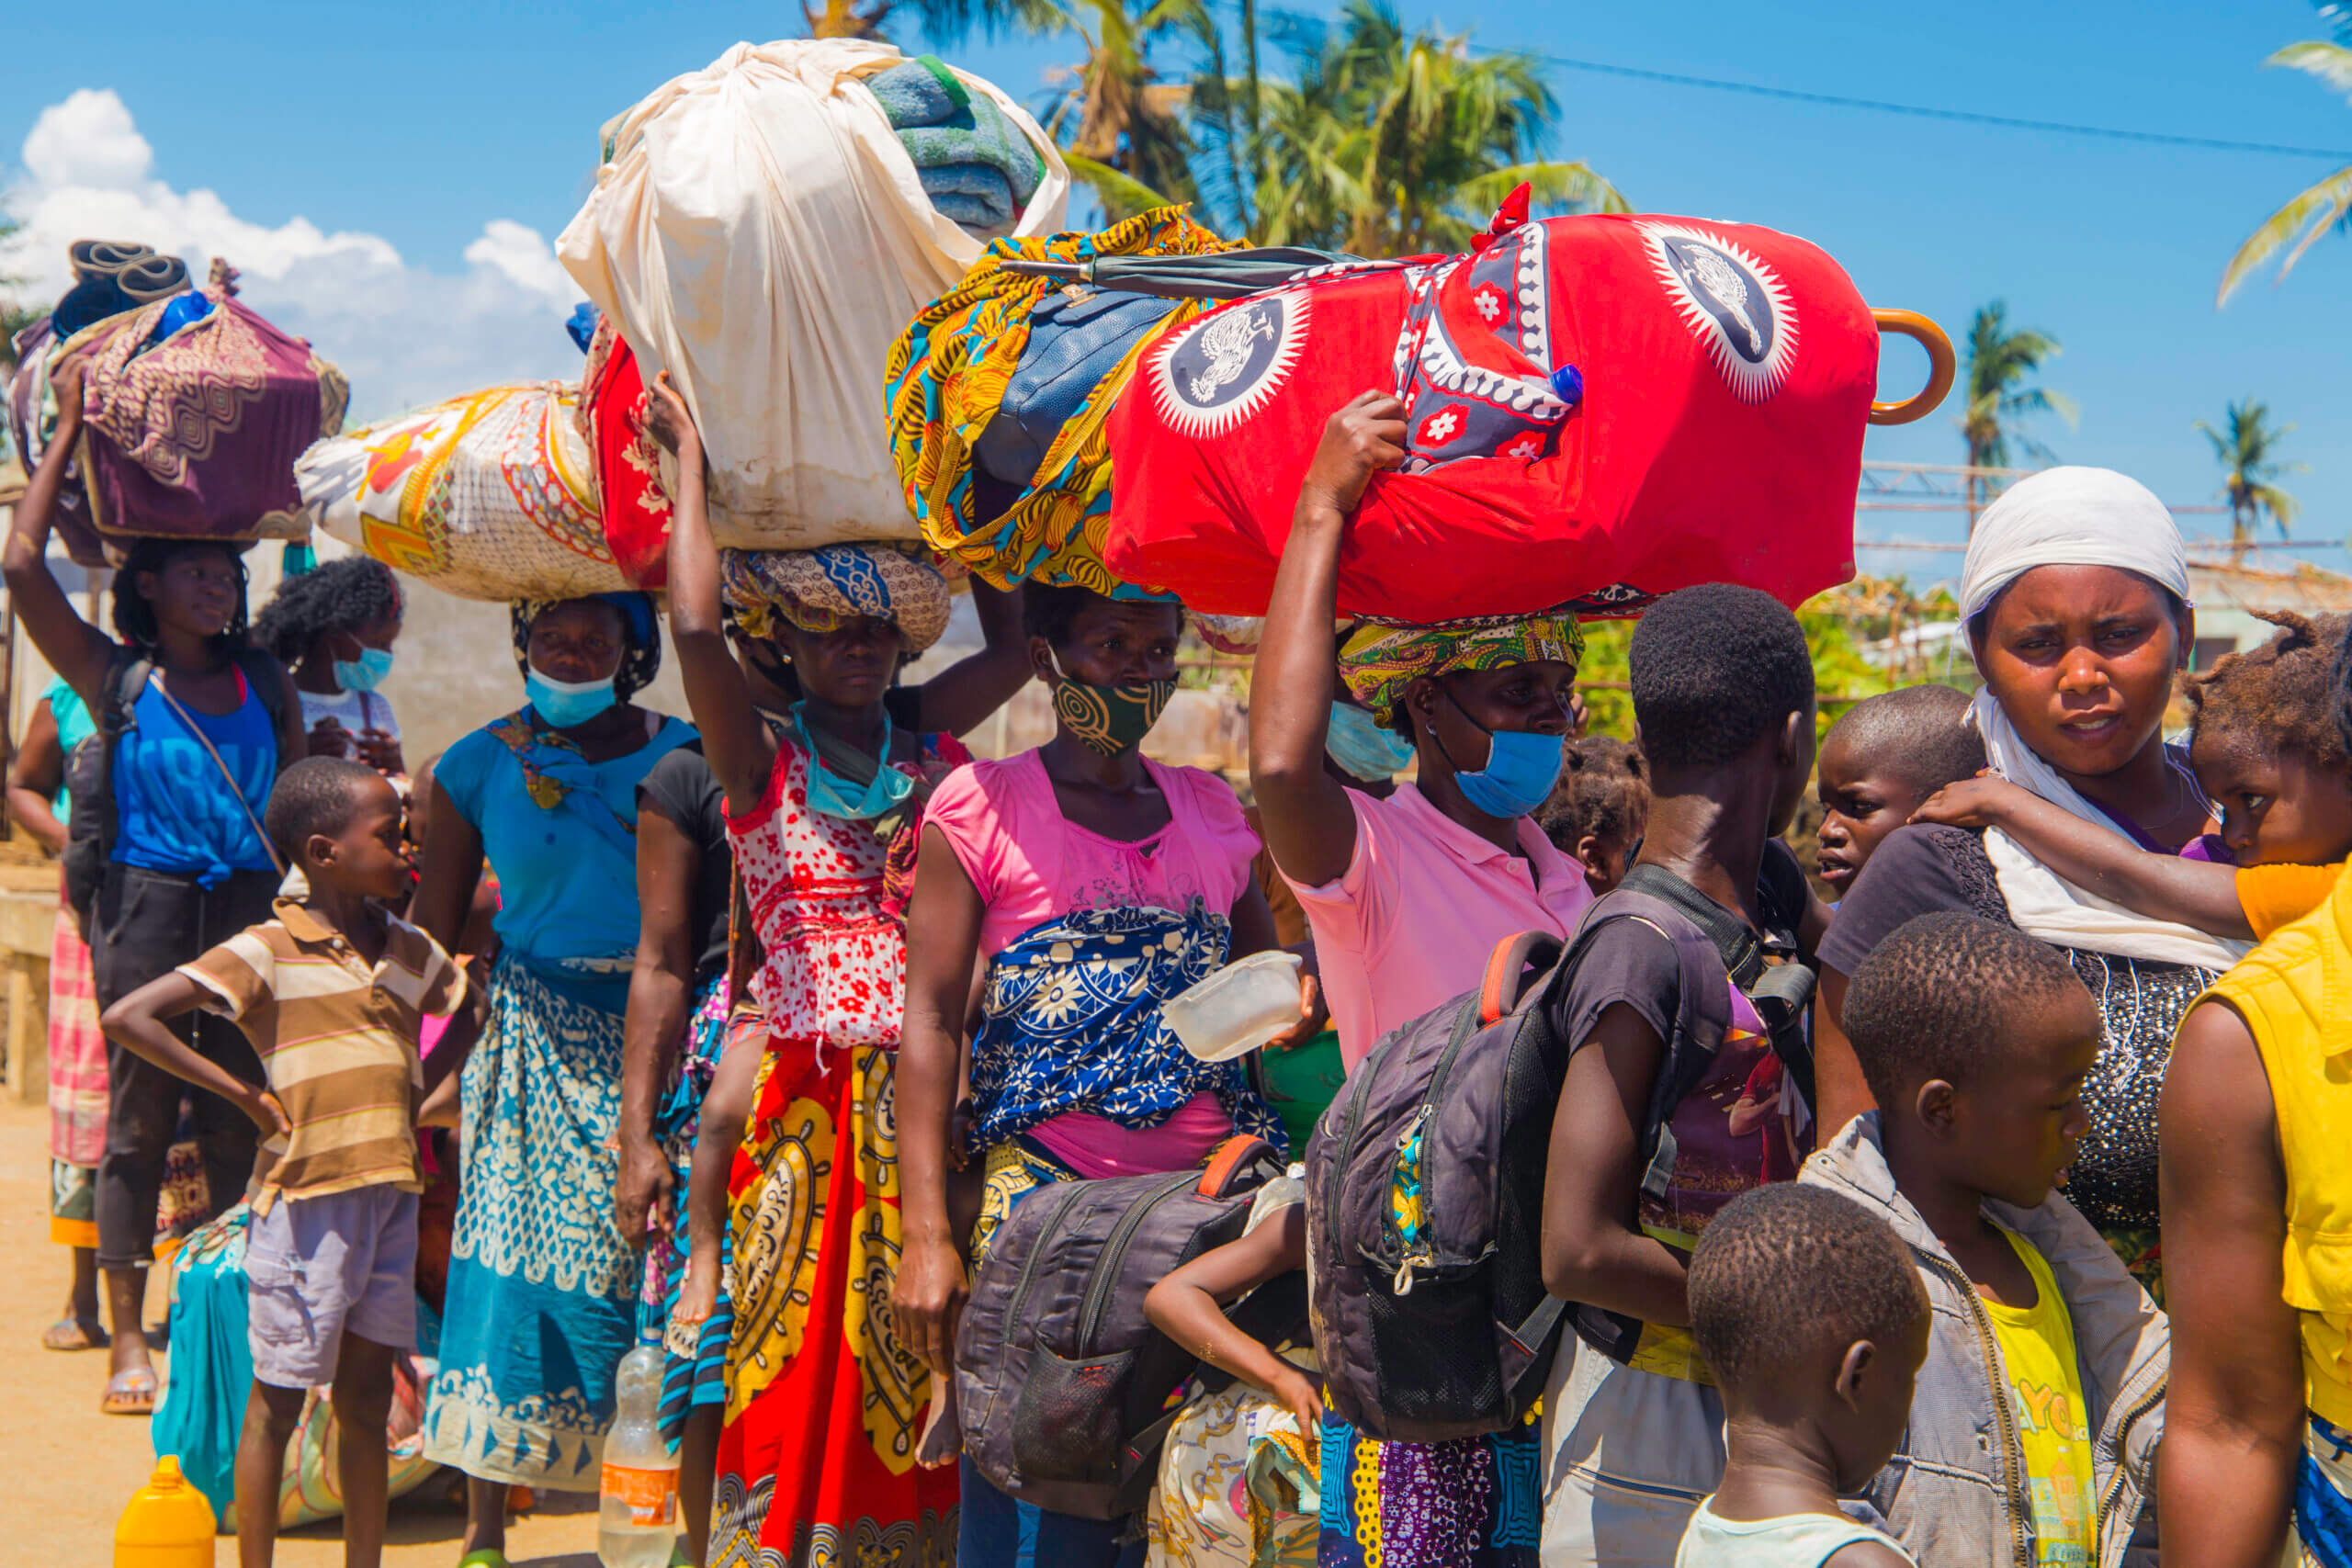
(1967, 117)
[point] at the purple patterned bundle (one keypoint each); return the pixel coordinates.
(196, 436)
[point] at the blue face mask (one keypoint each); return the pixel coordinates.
(366, 673)
(829, 795)
(1522, 767)
(1361, 747)
(564, 703)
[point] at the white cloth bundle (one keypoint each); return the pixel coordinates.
(2072, 516)
(759, 231)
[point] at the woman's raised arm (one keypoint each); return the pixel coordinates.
(1304, 811)
(75, 648)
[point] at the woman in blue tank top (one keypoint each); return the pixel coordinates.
(188, 867)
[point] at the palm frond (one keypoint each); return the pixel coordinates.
(2315, 207)
(1121, 196)
(2330, 62)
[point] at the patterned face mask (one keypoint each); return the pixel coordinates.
(1110, 720)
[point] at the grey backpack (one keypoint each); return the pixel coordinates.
(1062, 1385)
(1425, 1180)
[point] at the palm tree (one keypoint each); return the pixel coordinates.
(1123, 129)
(2316, 209)
(1999, 360)
(1390, 143)
(943, 21)
(2246, 448)
(14, 317)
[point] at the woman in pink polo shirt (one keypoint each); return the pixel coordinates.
(1406, 896)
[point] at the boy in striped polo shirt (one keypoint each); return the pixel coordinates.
(332, 993)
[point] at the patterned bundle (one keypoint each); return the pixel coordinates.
(194, 417)
(1598, 410)
(947, 376)
(490, 496)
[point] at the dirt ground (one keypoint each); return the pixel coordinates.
(71, 1470)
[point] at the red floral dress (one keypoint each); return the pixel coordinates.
(824, 1406)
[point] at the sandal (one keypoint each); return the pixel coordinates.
(130, 1391)
(75, 1334)
(488, 1557)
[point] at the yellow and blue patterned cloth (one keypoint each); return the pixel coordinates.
(1070, 1020)
(819, 590)
(947, 374)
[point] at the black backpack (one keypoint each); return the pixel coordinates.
(89, 771)
(1780, 993)
(1425, 1179)
(1062, 1385)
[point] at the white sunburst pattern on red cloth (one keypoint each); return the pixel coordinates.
(1765, 315)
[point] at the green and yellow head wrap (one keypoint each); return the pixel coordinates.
(1378, 662)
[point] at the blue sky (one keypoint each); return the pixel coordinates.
(421, 125)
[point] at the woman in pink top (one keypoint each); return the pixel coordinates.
(1406, 896)
(1094, 884)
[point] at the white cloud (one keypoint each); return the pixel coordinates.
(88, 140)
(403, 335)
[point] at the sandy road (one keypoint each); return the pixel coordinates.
(68, 1470)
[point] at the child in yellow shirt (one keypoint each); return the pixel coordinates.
(2033, 1425)
(2266, 749)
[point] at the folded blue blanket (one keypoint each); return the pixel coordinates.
(976, 165)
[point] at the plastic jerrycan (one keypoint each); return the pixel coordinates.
(167, 1525)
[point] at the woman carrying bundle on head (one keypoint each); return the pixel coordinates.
(1408, 896)
(823, 765)
(204, 725)
(540, 1300)
(333, 627)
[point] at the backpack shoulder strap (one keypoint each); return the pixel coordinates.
(266, 677)
(128, 671)
(1701, 1017)
(1779, 992)
(1742, 953)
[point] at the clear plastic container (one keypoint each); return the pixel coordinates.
(1238, 1009)
(637, 1522)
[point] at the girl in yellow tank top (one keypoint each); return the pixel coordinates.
(2257, 1128)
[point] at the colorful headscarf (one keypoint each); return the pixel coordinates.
(817, 590)
(641, 660)
(1378, 662)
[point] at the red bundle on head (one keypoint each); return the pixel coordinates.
(1599, 409)
(629, 460)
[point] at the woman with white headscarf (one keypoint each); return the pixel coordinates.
(2075, 597)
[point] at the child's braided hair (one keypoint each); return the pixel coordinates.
(2284, 695)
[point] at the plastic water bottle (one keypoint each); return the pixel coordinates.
(636, 1517)
(167, 1525)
